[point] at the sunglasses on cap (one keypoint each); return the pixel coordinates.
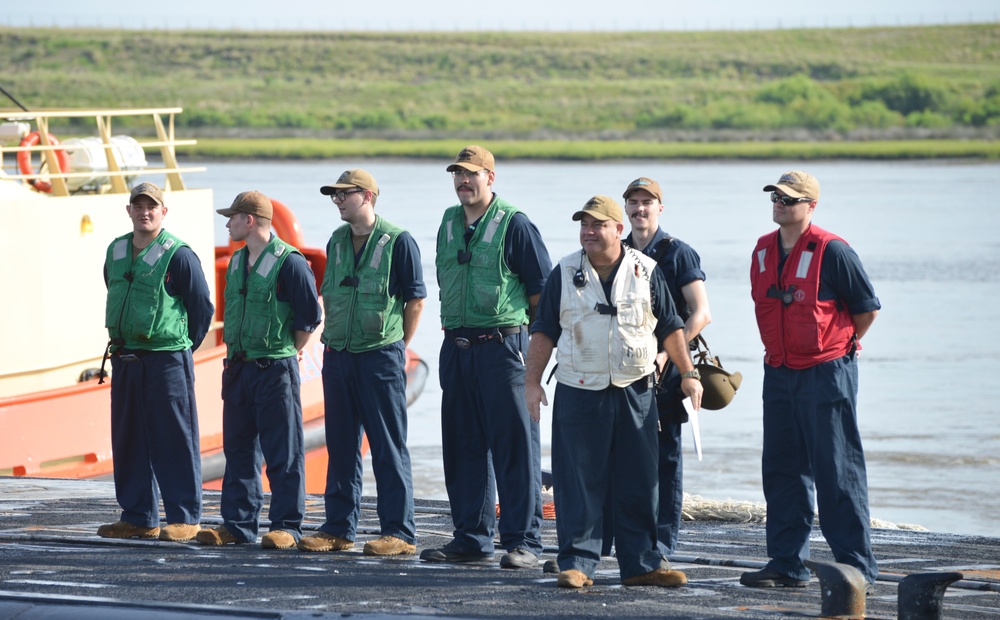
(787, 200)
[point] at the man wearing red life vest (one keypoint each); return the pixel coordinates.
(813, 302)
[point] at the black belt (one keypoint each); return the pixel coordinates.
(262, 362)
(130, 355)
(465, 337)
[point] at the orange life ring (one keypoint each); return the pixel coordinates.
(24, 159)
(288, 229)
(286, 224)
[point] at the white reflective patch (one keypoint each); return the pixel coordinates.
(153, 254)
(804, 261)
(491, 228)
(169, 243)
(266, 264)
(278, 251)
(336, 253)
(120, 250)
(377, 254)
(450, 235)
(760, 259)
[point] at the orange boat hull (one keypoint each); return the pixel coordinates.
(66, 433)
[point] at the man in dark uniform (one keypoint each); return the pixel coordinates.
(813, 302)
(271, 310)
(491, 267)
(681, 268)
(373, 294)
(606, 308)
(154, 419)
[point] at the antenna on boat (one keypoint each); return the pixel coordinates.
(12, 98)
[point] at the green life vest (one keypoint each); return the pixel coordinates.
(139, 313)
(257, 324)
(481, 291)
(360, 313)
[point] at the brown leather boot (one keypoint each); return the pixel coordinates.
(217, 536)
(389, 545)
(179, 532)
(662, 577)
(321, 541)
(124, 529)
(573, 578)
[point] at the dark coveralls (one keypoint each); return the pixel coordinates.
(154, 417)
(262, 421)
(365, 394)
(812, 441)
(487, 436)
(602, 440)
(681, 266)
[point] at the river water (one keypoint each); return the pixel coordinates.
(927, 232)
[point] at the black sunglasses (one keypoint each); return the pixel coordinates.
(787, 200)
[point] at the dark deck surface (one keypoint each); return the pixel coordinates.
(52, 564)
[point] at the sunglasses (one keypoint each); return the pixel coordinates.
(787, 200)
(342, 194)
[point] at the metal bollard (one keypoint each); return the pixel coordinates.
(921, 596)
(843, 589)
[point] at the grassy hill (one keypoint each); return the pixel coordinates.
(807, 84)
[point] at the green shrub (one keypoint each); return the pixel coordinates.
(674, 117)
(744, 115)
(982, 111)
(874, 115)
(928, 119)
(907, 93)
(827, 113)
(787, 90)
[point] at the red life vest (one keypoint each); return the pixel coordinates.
(797, 328)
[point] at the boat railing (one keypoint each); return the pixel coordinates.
(52, 173)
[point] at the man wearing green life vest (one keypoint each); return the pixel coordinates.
(158, 311)
(271, 310)
(373, 294)
(491, 267)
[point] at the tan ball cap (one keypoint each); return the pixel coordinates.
(647, 184)
(473, 158)
(252, 203)
(352, 178)
(146, 189)
(796, 184)
(601, 208)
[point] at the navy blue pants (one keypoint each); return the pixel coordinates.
(365, 393)
(812, 445)
(671, 475)
(671, 479)
(154, 436)
(262, 421)
(490, 445)
(603, 439)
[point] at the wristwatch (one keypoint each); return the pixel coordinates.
(691, 374)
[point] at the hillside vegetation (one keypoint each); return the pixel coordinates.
(804, 84)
